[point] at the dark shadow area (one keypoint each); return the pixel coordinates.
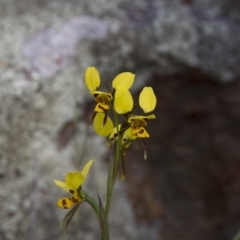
(189, 187)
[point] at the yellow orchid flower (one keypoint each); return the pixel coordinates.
(72, 184)
(92, 81)
(147, 99)
(103, 99)
(121, 83)
(137, 124)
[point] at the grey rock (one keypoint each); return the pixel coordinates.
(51, 51)
(155, 36)
(167, 37)
(45, 48)
(38, 98)
(219, 38)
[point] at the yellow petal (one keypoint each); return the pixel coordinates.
(101, 108)
(67, 188)
(123, 102)
(98, 125)
(147, 99)
(64, 186)
(140, 132)
(87, 168)
(105, 96)
(128, 138)
(139, 121)
(128, 135)
(92, 79)
(74, 179)
(152, 116)
(103, 100)
(125, 78)
(66, 203)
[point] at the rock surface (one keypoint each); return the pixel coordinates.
(44, 50)
(166, 37)
(43, 129)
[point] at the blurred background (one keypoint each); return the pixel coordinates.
(187, 50)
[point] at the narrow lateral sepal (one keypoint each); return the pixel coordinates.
(103, 221)
(67, 219)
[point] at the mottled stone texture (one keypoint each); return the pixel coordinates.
(169, 36)
(43, 129)
(44, 49)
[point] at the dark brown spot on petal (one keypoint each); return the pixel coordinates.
(64, 203)
(103, 107)
(74, 199)
(141, 131)
(71, 191)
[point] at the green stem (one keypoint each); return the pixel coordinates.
(117, 158)
(113, 168)
(237, 236)
(93, 204)
(101, 217)
(109, 185)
